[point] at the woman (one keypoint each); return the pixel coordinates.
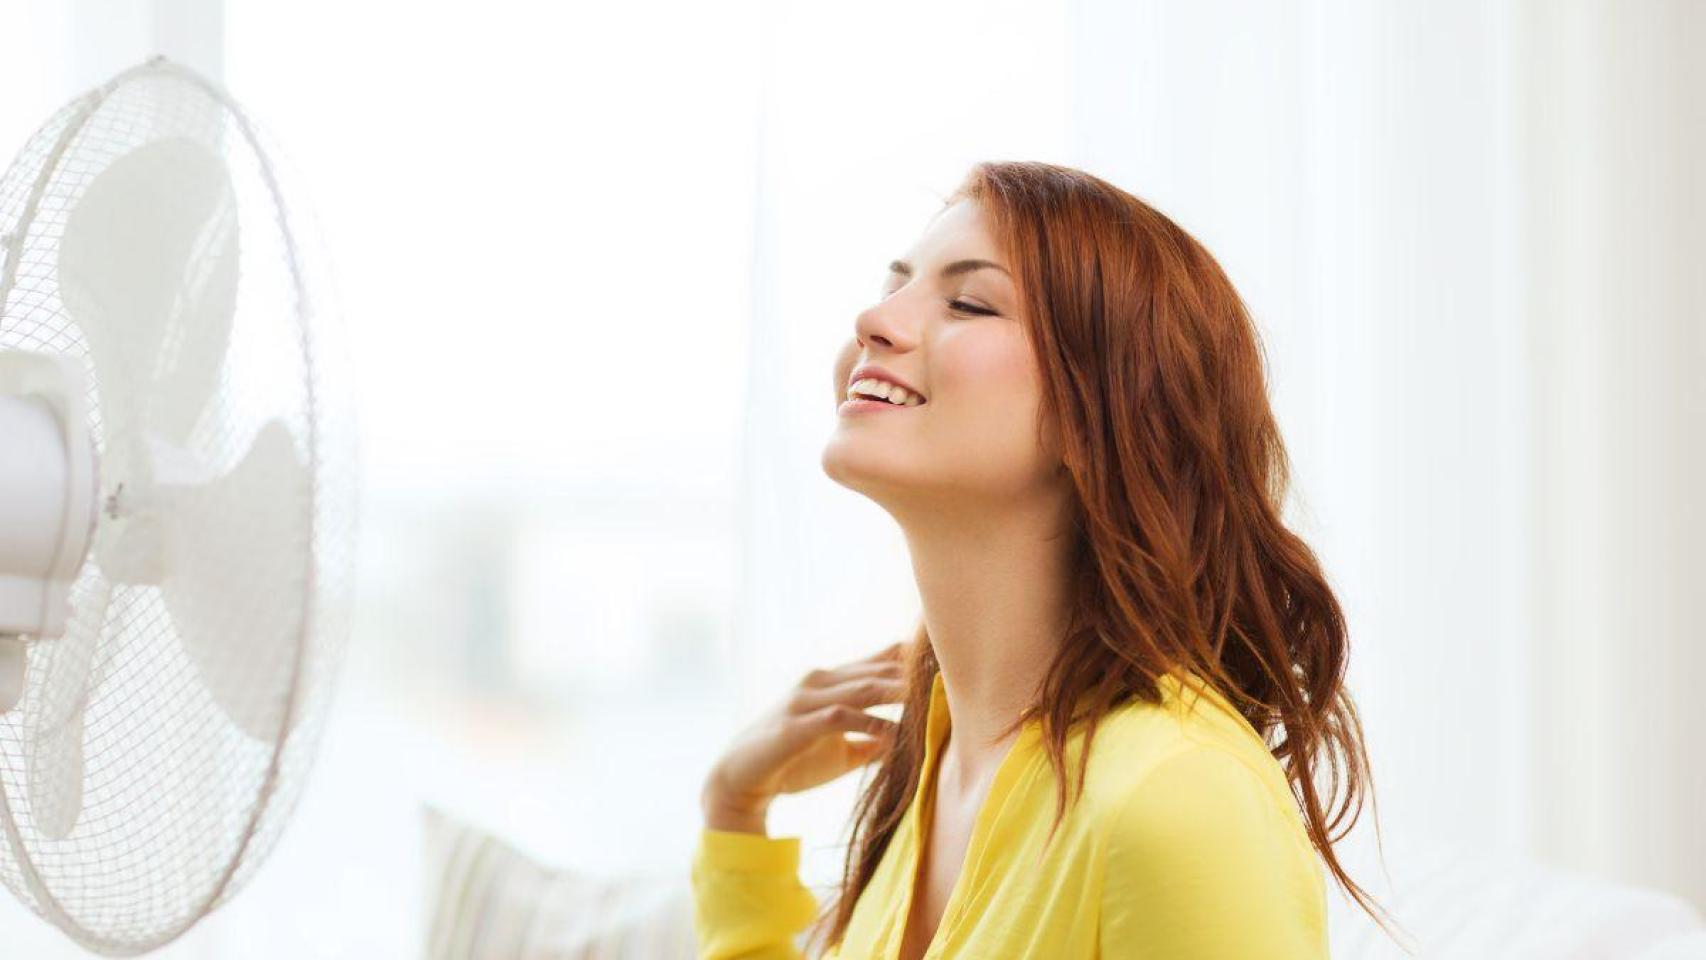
(1060, 398)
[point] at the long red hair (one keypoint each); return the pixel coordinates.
(1153, 378)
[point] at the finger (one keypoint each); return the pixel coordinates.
(842, 718)
(866, 691)
(859, 671)
(829, 677)
(864, 751)
(890, 652)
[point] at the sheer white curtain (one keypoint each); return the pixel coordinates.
(1354, 168)
(1615, 204)
(1470, 235)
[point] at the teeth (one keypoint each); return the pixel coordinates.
(893, 393)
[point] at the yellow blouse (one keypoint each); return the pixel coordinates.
(1187, 844)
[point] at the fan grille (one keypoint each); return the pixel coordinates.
(179, 805)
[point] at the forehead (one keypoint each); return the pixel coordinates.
(957, 231)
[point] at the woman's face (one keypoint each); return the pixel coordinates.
(950, 328)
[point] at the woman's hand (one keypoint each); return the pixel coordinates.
(802, 742)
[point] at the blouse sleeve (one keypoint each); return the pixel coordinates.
(748, 901)
(1202, 864)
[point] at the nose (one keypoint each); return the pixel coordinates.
(884, 323)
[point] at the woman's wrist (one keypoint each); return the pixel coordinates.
(723, 812)
(735, 820)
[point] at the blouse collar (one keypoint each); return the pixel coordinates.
(1180, 691)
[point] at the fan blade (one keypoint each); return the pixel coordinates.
(235, 573)
(14, 663)
(148, 267)
(54, 723)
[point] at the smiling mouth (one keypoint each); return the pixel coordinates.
(882, 391)
(858, 405)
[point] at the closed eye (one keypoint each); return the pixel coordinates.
(963, 306)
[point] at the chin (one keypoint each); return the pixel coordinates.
(834, 462)
(855, 469)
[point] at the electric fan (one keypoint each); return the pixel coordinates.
(176, 508)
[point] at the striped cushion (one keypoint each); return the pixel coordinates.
(485, 899)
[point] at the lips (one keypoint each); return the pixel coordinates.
(862, 405)
(873, 372)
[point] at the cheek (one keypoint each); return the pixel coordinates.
(989, 384)
(843, 369)
(989, 369)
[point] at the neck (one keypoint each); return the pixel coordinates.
(994, 587)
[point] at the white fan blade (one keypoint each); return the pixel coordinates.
(148, 267)
(14, 663)
(132, 550)
(235, 575)
(54, 724)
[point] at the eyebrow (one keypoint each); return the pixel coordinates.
(953, 269)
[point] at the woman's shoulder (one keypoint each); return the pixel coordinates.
(1190, 745)
(1204, 834)
(1193, 820)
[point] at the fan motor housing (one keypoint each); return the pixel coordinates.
(47, 491)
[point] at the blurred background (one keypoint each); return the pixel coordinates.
(595, 262)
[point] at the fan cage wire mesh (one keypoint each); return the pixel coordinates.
(179, 807)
